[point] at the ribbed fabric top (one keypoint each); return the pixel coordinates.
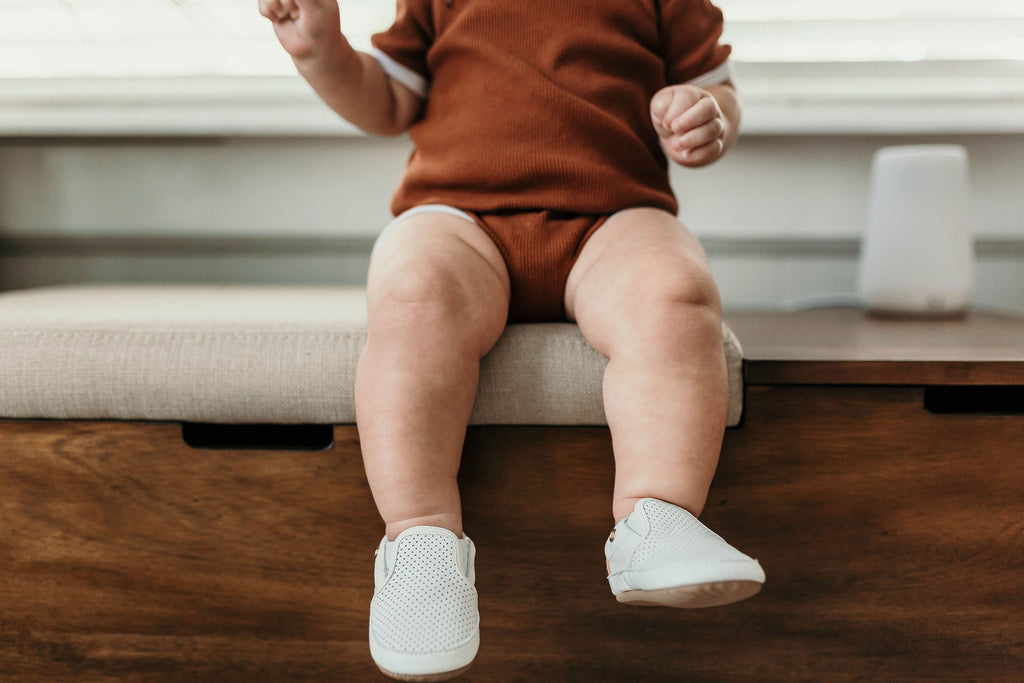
(545, 105)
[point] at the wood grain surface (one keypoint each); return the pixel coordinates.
(893, 540)
(848, 346)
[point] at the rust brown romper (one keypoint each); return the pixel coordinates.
(536, 121)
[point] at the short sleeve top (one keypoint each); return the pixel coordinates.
(545, 105)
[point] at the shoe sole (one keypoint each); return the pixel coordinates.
(697, 596)
(424, 678)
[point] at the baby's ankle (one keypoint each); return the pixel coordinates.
(445, 520)
(622, 507)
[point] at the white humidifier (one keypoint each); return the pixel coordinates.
(917, 255)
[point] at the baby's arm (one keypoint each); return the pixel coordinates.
(352, 83)
(696, 126)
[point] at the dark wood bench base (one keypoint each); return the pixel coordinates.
(891, 536)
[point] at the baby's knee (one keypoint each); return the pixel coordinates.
(678, 291)
(417, 279)
(428, 294)
(421, 298)
(690, 290)
(672, 310)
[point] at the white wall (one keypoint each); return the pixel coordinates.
(781, 216)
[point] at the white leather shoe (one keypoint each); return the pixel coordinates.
(661, 555)
(424, 623)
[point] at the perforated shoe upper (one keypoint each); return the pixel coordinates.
(662, 545)
(425, 601)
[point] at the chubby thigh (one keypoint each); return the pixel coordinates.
(440, 257)
(638, 258)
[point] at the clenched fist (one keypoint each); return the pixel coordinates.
(690, 123)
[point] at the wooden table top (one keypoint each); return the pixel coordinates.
(848, 346)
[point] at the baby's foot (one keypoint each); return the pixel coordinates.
(661, 555)
(424, 624)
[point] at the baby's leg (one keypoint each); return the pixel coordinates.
(642, 294)
(437, 296)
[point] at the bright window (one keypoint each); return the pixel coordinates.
(880, 65)
(802, 65)
(801, 31)
(152, 38)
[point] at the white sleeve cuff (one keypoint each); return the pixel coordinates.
(720, 74)
(403, 74)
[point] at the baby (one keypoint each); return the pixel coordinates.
(538, 190)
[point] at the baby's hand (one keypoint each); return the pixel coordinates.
(306, 28)
(690, 124)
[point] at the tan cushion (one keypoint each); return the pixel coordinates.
(259, 354)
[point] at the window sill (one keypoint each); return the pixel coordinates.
(791, 99)
(166, 107)
(885, 98)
